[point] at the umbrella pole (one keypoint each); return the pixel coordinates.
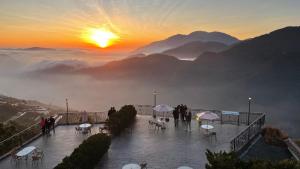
(207, 126)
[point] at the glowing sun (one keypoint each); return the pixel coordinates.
(100, 36)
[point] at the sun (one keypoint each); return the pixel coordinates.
(100, 37)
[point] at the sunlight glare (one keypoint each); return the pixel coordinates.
(101, 37)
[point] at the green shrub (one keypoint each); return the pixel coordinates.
(223, 160)
(88, 154)
(120, 120)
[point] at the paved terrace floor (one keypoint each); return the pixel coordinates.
(166, 149)
(55, 148)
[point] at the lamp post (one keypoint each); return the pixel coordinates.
(67, 105)
(249, 111)
(154, 94)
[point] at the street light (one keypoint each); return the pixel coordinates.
(67, 105)
(155, 93)
(249, 104)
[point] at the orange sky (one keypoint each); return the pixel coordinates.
(60, 23)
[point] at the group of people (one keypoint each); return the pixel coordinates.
(111, 111)
(185, 115)
(47, 124)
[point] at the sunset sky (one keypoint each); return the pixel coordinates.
(62, 23)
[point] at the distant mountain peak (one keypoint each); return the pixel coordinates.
(176, 36)
(197, 32)
(37, 48)
(180, 39)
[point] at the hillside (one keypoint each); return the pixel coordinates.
(152, 67)
(28, 110)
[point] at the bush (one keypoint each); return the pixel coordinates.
(274, 136)
(120, 120)
(223, 160)
(88, 154)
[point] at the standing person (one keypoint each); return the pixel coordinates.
(111, 112)
(179, 112)
(188, 121)
(176, 116)
(42, 125)
(47, 125)
(182, 113)
(52, 122)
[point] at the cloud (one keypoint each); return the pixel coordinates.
(56, 66)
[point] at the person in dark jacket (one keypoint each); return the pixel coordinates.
(47, 125)
(42, 125)
(52, 123)
(182, 112)
(176, 116)
(188, 119)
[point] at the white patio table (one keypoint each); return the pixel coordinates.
(131, 166)
(26, 151)
(85, 125)
(207, 126)
(184, 167)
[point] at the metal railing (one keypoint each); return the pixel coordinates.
(22, 137)
(248, 134)
(18, 139)
(77, 118)
(293, 148)
(226, 119)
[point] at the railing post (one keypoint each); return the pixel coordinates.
(20, 140)
(221, 117)
(234, 146)
(248, 133)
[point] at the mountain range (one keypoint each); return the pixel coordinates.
(267, 67)
(270, 58)
(179, 40)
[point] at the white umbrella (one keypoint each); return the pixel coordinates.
(207, 115)
(163, 108)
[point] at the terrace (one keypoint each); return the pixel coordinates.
(161, 149)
